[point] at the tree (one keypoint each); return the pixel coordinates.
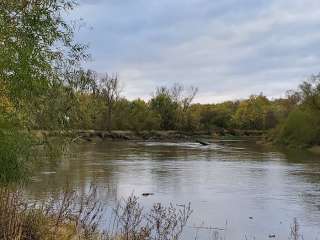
(251, 113)
(183, 96)
(37, 53)
(164, 105)
(310, 92)
(207, 118)
(36, 48)
(141, 117)
(85, 82)
(301, 125)
(172, 105)
(110, 91)
(218, 115)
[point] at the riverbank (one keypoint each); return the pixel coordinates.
(203, 138)
(315, 149)
(99, 135)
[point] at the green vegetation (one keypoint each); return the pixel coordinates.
(172, 109)
(302, 126)
(37, 57)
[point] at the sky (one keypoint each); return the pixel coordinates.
(229, 49)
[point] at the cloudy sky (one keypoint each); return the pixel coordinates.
(229, 49)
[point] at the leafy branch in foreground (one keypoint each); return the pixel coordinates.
(37, 56)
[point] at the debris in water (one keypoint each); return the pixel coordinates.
(203, 143)
(147, 194)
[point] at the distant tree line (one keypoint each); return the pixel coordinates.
(97, 103)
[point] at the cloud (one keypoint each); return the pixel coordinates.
(227, 48)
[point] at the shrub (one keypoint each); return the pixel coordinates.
(301, 128)
(15, 155)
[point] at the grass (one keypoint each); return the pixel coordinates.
(72, 216)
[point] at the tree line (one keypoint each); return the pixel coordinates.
(98, 103)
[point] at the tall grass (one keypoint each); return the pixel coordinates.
(73, 216)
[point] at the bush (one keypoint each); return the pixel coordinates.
(14, 154)
(301, 128)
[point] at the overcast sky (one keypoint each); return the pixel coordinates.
(229, 49)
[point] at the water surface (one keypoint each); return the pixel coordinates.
(249, 190)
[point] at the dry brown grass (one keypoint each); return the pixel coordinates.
(71, 216)
(68, 216)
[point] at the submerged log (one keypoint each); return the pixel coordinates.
(202, 143)
(147, 194)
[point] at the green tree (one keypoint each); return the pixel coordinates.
(310, 92)
(37, 48)
(173, 106)
(207, 118)
(251, 113)
(165, 106)
(37, 55)
(141, 116)
(110, 91)
(301, 128)
(302, 125)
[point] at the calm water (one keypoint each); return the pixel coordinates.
(227, 183)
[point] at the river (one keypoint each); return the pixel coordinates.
(249, 190)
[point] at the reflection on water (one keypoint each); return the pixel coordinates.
(253, 190)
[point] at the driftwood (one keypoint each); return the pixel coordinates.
(202, 143)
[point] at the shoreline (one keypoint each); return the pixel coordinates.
(172, 135)
(204, 138)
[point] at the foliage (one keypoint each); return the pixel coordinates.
(173, 107)
(252, 113)
(37, 60)
(218, 115)
(141, 117)
(37, 49)
(109, 89)
(15, 157)
(166, 108)
(309, 92)
(302, 126)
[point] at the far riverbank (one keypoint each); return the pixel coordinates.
(100, 135)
